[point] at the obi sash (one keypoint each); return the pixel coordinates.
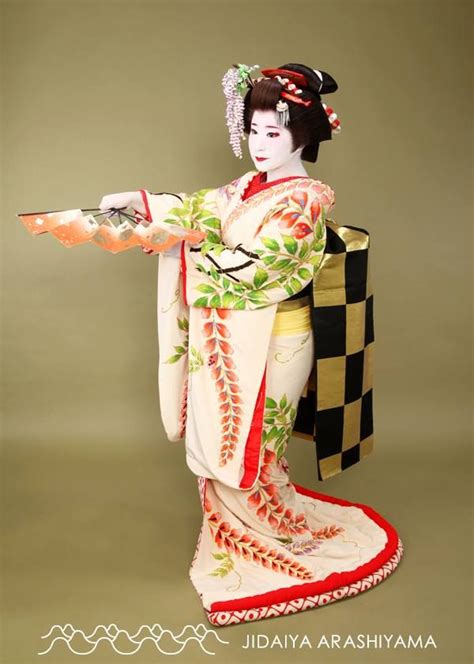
(336, 409)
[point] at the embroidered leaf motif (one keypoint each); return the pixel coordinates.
(304, 273)
(287, 262)
(270, 243)
(201, 302)
(290, 244)
(226, 566)
(180, 350)
(206, 288)
(229, 298)
(196, 360)
(183, 323)
(278, 419)
(260, 277)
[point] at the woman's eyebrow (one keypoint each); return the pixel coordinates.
(266, 126)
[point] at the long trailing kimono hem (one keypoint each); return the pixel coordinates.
(343, 582)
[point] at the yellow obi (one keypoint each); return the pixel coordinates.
(293, 316)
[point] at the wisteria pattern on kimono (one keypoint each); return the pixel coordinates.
(257, 253)
(286, 548)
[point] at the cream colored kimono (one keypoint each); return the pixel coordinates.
(255, 256)
(230, 388)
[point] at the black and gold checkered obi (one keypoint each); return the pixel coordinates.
(336, 409)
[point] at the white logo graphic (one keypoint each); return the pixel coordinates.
(165, 641)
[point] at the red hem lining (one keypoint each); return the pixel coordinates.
(254, 439)
(334, 580)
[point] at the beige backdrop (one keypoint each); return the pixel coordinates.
(101, 514)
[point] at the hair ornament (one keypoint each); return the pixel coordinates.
(333, 119)
(235, 81)
(283, 113)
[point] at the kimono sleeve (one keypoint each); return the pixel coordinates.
(198, 211)
(283, 258)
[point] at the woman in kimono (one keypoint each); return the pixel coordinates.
(236, 350)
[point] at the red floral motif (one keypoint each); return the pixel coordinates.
(271, 193)
(328, 532)
(269, 505)
(249, 548)
(226, 379)
(297, 215)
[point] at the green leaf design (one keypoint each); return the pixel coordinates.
(270, 243)
(295, 284)
(183, 323)
(320, 230)
(279, 420)
(228, 299)
(215, 238)
(283, 262)
(201, 302)
(215, 301)
(305, 249)
(260, 277)
(173, 358)
(273, 433)
(280, 447)
(196, 360)
(211, 222)
(290, 243)
(226, 566)
(304, 273)
(257, 297)
(206, 288)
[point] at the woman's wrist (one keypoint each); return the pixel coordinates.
(138, 202)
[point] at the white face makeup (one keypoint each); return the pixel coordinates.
(270, 146)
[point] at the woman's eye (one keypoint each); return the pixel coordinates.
(272, 133)
(252, 131)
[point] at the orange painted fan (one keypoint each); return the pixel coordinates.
(74, 227)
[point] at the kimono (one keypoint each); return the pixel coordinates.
(237, 356)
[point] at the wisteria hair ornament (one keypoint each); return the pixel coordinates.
(237, 80)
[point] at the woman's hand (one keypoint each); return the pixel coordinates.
(124, 199)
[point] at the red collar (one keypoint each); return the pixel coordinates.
(259, 182)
